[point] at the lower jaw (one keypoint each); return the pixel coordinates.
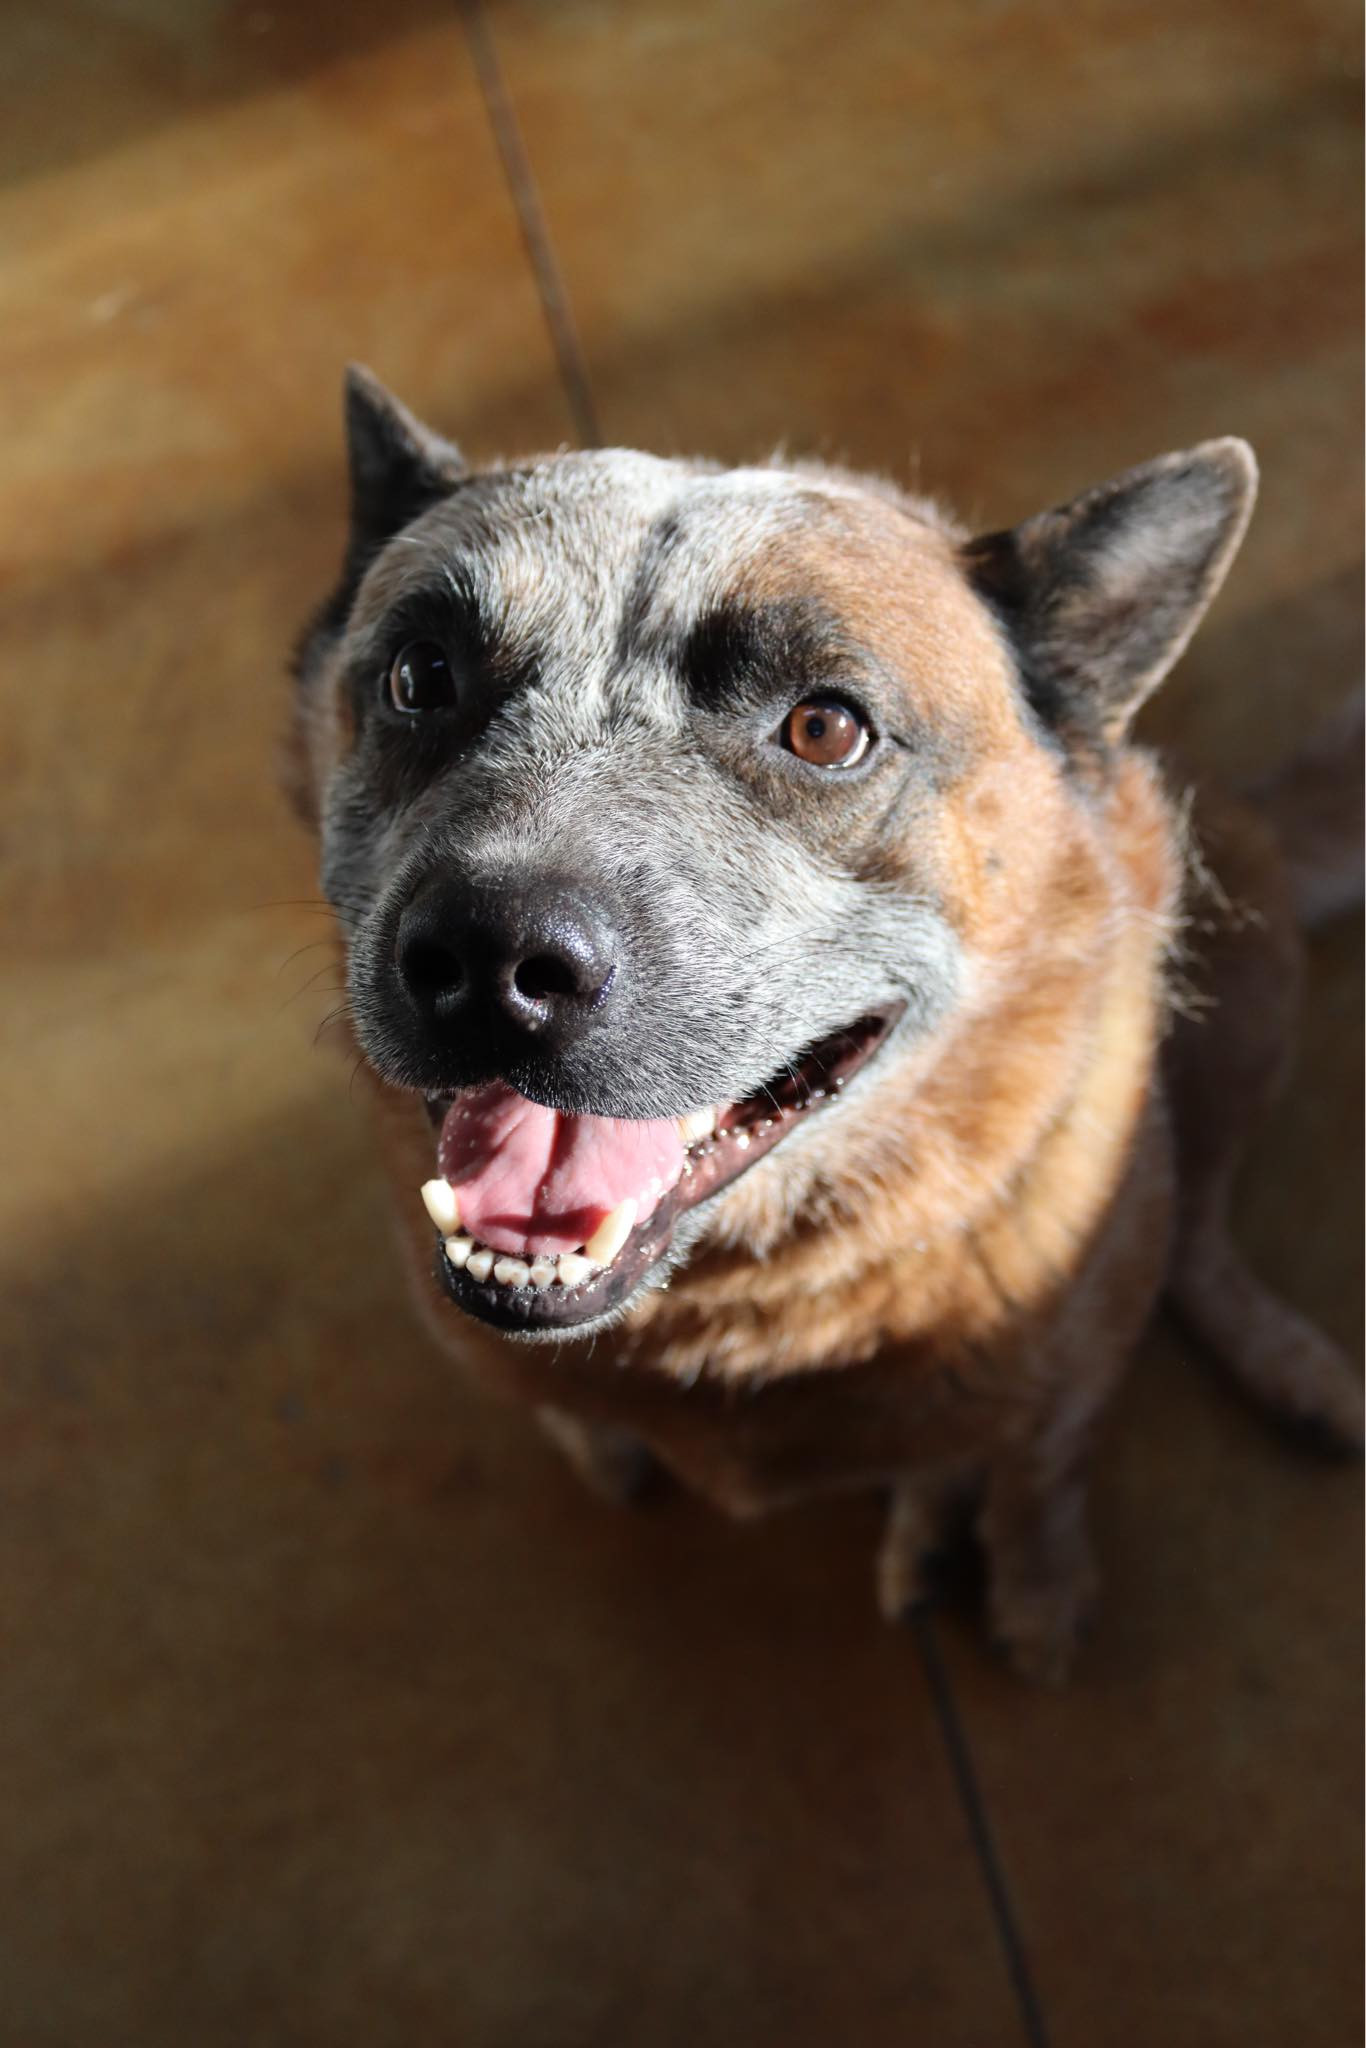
(746, 1134)
(557, 1312)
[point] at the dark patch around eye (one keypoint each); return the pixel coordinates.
(759, 651)
(459, 616)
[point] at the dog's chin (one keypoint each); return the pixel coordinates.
(810, 1085)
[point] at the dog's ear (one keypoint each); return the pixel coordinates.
(1100, 596)
(398, 466)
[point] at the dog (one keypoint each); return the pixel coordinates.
(807, 1036)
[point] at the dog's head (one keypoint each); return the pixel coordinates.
(667, 807)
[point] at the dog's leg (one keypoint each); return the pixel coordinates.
(1042, 1577)
(921, 1514)
(1224, 1066)
(612, 1463)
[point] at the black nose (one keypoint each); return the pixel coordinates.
(536, 952)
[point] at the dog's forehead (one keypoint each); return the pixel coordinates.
(612, 499)
(592, 532)
(638, 522)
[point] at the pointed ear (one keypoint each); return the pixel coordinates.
(398, 466)
(1100, 596)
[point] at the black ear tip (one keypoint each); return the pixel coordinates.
(363, 396)
(379, 427)
(398, 467)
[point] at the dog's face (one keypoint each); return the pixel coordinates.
(650, 791)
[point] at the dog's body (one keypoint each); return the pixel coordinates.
(938, 1263)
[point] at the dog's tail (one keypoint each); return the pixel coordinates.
(1315, 805)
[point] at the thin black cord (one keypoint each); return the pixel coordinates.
(974, 1812)
(521, 179)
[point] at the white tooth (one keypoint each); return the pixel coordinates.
(742, 1140)
(479, 1264)
(512, 1272)
(458, 1249)
(574, 1270)
(542, 1272)
(698, 1123)
(438, 1199)
(611, 1234)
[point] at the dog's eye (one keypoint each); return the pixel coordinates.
(421, 679)
(826, 733)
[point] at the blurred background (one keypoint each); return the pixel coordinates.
(333, 1712)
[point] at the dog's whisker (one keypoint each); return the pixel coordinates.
(314, 904)
(312, 946)
(310, 987)
(334, 1016)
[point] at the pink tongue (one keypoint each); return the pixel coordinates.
(532, 1180)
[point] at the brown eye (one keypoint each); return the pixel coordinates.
(826, 733)
(421, 679)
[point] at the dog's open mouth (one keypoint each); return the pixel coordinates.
(548, 1221)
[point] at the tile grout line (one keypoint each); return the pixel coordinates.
(979, 1827)
(526, 199)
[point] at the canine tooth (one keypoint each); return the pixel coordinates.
(574, 1269)
(542, 1272)
(458, 1249)
(611, 1234)
(698, 1123)
(438, 1199)
(479, 1264)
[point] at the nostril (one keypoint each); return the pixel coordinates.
(544, 976)
(540, 960)
(431, 969)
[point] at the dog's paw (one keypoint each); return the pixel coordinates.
(903, 1579)
(1327, 1409)
(1040, 1627)
(925, 1513)
(1302, 1378)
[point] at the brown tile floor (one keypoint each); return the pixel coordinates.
(332, 1713)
